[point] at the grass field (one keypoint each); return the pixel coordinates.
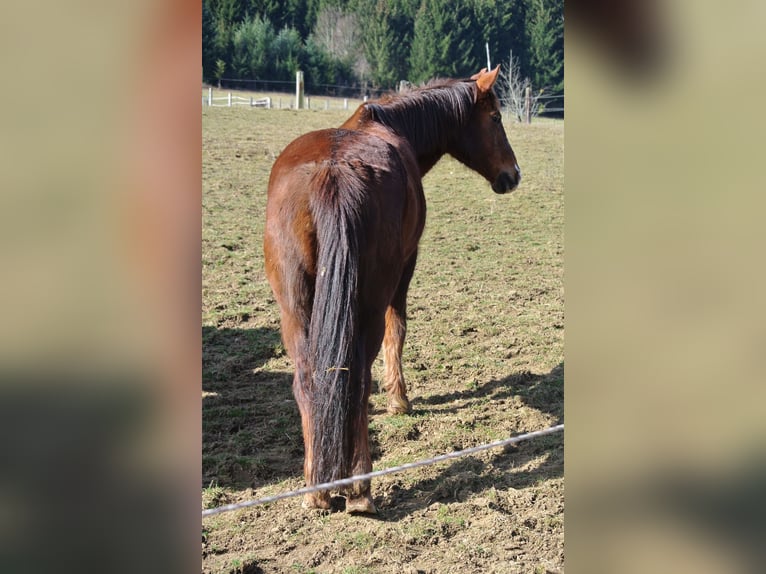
(483, 361)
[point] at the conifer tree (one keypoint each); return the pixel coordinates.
(387, 30)
(431, 42)
(545, 31)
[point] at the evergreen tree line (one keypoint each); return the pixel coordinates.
(377, 43)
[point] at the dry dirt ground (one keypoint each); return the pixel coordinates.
(483, 361)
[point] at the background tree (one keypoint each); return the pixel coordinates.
(220, 69)
(382, 41)
(336, 32)
(226, 15)
(545, 30)
(287, 51)
(511, 88)
(431, 41)
(252, 45)
(208, 39)
(314, 63)
(503, 24)
(386, 38)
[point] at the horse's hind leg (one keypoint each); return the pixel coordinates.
(320, 500)
(292, 290)
(393, 344)
(358, 497)
(294, 336)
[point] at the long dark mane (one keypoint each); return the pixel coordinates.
(428, 116)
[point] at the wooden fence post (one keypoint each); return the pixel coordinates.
(345, 103)
(229, 99)
(528, 105)
(210, 96)
(299, 90)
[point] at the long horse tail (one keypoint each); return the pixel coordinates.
(335, 350)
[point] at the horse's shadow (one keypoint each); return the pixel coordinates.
(250, 424)
(544, 393)
(231, 354)
(471, 475)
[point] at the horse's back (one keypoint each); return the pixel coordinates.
(343, 168)
(361, 155)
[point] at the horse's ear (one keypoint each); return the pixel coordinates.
(477, 75)
(486, 80)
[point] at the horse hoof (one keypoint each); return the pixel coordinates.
(318, 501)
(362, 504)
(399, 406)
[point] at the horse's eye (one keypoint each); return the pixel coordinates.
(496, 117)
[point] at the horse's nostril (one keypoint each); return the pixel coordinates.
(506, 181)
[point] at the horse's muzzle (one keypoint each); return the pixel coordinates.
(507, 181)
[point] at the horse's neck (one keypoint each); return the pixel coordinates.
(427, 151)
(412, 162)
(426, 162)
(430, 148)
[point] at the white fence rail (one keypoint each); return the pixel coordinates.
(309, 102)
(554, 103)
(229, 100)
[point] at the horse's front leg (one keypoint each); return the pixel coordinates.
(393, 344)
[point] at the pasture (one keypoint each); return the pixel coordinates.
(483, 360)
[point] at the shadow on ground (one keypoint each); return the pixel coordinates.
(250, 425)
(471, 475)
(544, 393)
(252, 431)
(232, 354)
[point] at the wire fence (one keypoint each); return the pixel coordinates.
(401, 468)
(551, 107)
(231, 99)
(545, 105)
(358, 91)
(324, 94)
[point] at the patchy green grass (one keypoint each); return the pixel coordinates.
(483, 360)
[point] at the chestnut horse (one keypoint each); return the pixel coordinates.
(344, 215)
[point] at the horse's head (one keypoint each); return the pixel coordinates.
(483, 145)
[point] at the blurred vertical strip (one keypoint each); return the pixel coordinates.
(666, 433)
(165, 231)
(630, 34)
(100, 163)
